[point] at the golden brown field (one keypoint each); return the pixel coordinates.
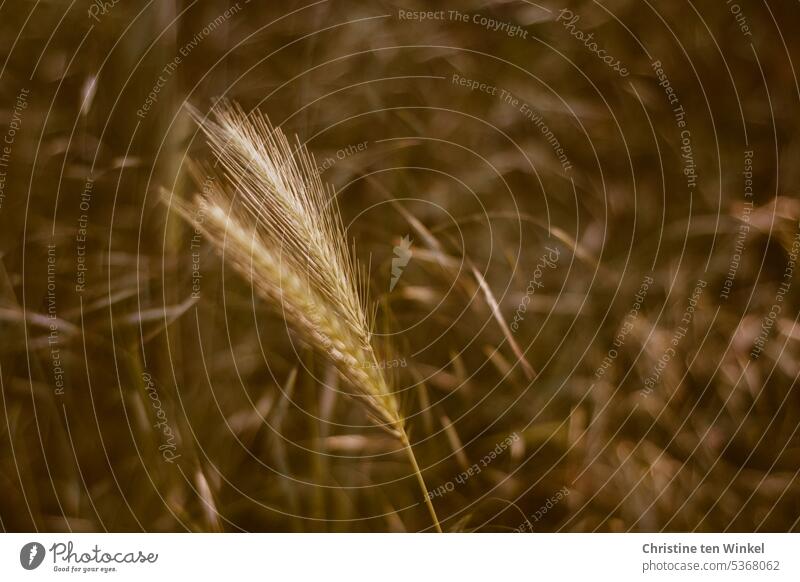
(546, 250)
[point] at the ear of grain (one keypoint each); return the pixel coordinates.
(274, 221)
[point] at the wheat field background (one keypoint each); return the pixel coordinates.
(577, 227)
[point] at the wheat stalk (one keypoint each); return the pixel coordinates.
(278, 225)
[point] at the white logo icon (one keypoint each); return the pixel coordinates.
(402, 255)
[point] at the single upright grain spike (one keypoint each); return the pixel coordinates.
(269, 214)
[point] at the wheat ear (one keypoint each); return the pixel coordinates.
(270, 215)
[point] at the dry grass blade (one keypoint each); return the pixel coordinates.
(274, 220)
(530, 373)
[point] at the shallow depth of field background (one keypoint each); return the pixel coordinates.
(144, 387)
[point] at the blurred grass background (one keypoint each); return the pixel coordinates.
(266, 440)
